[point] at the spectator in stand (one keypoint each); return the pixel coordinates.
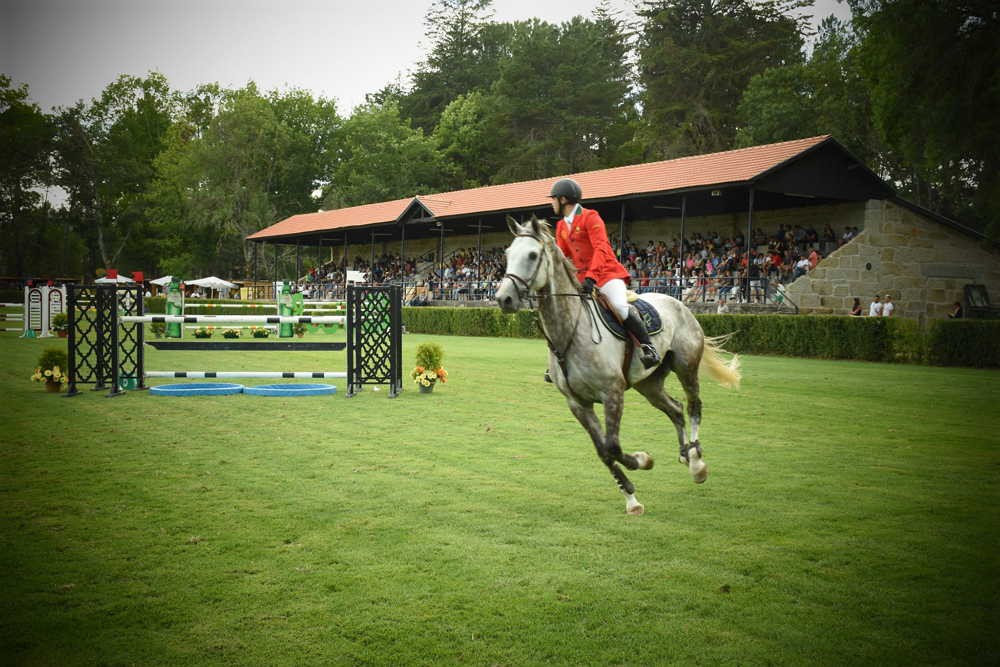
(856, 310)
(956, 311)
(887, 306)
(814, 257)
(875, 307)
(801, 268)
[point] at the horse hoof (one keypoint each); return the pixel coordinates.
(644, 460)
(635, 510)
(699, 471)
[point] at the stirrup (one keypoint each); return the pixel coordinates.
(649, 356)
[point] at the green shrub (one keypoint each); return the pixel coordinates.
(963, 343)
(430, 355)
(942, 342)
(52, 357)
(155, 304)
(471, 322)
(60, 322)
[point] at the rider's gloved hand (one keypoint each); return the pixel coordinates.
(588, 285)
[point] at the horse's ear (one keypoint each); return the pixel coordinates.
(536, 227)
(513, 226)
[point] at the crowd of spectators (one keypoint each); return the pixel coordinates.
(704, 266)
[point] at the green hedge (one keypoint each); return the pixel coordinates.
(963, 343)
(471, 322)
(942, 343)
(12, 295)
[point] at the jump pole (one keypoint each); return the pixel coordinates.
(246, 374)
(223, 319)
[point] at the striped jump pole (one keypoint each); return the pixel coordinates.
(246, 374)
(242, 326)
(222, 319)
(272, 306)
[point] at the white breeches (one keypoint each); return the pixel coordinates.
(617, 295)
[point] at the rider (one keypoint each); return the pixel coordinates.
(582, 237)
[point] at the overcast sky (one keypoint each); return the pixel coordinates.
(67, 50)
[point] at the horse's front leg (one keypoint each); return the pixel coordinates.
(588, 418)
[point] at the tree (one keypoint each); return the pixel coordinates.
(933, 72)
(563, 99)
(459, 60)
(696, 57)
(468, 138)
(104, 156)
(826, 95)
(382, 157)
(25, 144)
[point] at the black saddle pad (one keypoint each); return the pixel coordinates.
(649, 315)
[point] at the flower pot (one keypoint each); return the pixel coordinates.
(53, 387)
(426, 389)
(62, 334)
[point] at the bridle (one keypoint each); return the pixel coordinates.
(523, 286)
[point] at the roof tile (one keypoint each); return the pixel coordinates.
(734, 166)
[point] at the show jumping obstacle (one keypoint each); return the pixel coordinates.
(106, 339)
(41, 303)
(12, 317)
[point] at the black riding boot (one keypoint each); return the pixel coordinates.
(647, 353)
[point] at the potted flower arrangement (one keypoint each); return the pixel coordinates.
(260, 332)
(231, 333)
(158, 329)
(60, 324)
(50, 369)
(429, 369)
(299, 329)
(204, 332)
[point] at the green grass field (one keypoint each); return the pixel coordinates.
(851, 518)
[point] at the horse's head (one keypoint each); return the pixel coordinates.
(527, 264)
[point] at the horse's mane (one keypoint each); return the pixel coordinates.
(545, 232)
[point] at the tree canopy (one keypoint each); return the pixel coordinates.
(174, 181)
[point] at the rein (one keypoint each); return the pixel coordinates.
(525, 294)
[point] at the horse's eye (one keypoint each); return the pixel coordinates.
(532, 255)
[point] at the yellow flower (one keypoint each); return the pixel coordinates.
(48, 373)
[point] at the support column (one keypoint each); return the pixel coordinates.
(621, 234)
(680, 249)
(746, 274)
(253, 290)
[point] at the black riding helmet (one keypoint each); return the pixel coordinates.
(568, 188)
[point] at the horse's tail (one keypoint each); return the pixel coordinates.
(726, 374)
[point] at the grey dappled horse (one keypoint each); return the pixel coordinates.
(587, 363)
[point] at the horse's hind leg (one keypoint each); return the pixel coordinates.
(652, 389)
(588, 418)
(691, 453)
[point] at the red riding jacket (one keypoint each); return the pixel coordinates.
(586, 245)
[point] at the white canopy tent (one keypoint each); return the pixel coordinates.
(212, 283)
(120, 279)
(161, 282)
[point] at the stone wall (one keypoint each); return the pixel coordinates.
(921, 263)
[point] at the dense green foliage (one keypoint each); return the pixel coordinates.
(171, 181)
(943, 343)
(51, 357)
(472, 322)
(477, 526)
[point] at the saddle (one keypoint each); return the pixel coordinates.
(649, 316)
